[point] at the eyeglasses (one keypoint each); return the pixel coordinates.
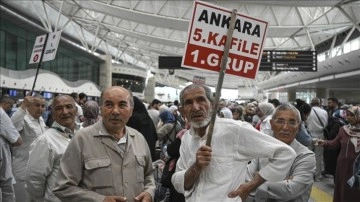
(283, 122)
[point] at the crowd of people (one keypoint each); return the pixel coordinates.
(106, 151)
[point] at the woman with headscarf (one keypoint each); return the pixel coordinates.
(238, 113)
(91, 113)
(225, 113)
(167, 132)
(141, 121)
(264, 111)
(348, 140)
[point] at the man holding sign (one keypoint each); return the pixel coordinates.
(217, 173)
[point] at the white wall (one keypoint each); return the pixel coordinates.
(46, 81)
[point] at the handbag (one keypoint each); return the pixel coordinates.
(325, 130)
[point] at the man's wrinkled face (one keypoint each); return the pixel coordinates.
(64, 111)
(116, 108)
(285, 126)
(197, 108)
(37, 107)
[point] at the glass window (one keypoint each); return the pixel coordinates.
(10, 51)
(133, 83)
(2, 49)
(21, 60)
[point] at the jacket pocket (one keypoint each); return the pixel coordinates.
(140, 168)
(98, 173)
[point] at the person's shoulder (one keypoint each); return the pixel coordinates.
(301, 149)
(133, 132)
(89, 130)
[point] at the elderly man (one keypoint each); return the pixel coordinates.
(9, 136)
(107, 161)
(296, 187)
(217, 173)
(29, 122)
(48, 149)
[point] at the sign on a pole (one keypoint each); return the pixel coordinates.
(51, 46)
(207, 37)
(37, 50)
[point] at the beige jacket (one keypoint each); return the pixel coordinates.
(93, 167)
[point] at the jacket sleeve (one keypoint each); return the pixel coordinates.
(7, 129)
(300, 182)
(335, 143)
(280, 155)
(70, 174)
(18, 119)
(39, 166)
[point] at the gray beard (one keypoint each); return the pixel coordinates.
(203, 123)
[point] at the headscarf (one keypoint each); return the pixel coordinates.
(173, 108)
(240, 110)
(354, 130)
(267, 109)
(226, 112)
(91, 113)
(167, 117)
(340, 115)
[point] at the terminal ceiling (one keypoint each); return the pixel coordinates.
(138, 32)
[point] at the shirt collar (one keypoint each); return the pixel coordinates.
(66, 130)
(103, 132)
(31, 117)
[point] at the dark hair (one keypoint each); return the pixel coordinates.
(275, 102)
(82, 95)
(74, 95)
(208, 92)
(333, 99)
(155, 102)
(304, 110)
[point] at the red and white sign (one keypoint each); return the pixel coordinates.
(207, 37)
(37, 50)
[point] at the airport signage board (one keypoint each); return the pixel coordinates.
(207, 35)
(289, 60)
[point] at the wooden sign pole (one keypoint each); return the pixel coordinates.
(221, 76)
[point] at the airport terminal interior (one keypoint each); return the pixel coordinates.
(105, 43)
